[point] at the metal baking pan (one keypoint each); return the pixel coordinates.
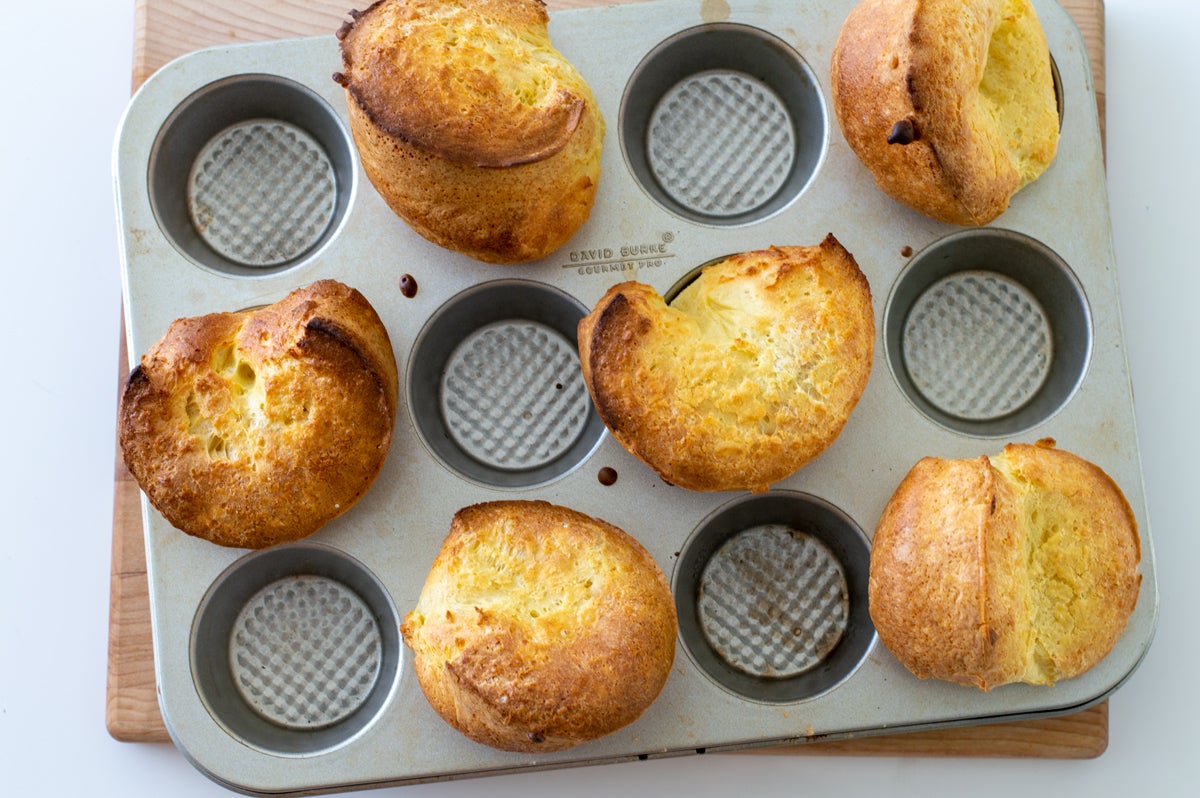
(282, 671)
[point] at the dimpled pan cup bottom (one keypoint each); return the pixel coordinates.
(305, 652)
(513, 396)
(721, 143)
(977, 345)
(262, 193)
(773, 601)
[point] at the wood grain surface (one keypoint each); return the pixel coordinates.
(166, 29)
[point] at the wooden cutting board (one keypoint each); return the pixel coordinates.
(166, 29)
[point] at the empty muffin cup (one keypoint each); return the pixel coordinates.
(251, 174)
(723, 124)
(771, 593)
(496, 389)
(295, 649)
(987, 332)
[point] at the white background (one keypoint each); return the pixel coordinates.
(65, 73)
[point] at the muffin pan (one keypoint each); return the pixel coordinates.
(282, 671)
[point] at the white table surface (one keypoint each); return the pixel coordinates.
(66, 72)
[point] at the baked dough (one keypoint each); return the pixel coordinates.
(257, 427)
(747, 375)
(949, 103)
(540, 628)
(471, 126)
(1020, 567)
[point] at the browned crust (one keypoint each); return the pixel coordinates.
(254, 428)
(522, 668)
(615, 320)
(471, 126)
(906, 77)
(929, 592)
(1016, 568)
(413, 69)
(515, 215)
(710, 408)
